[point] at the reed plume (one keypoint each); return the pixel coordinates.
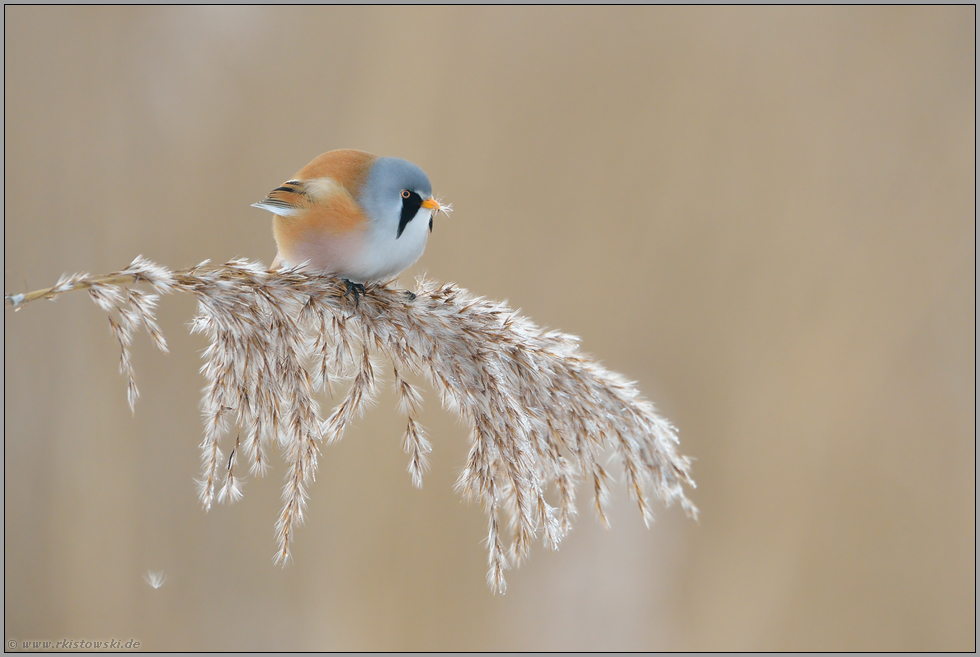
(541, 413)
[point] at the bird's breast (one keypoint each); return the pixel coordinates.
(338, 238)
(389, 253)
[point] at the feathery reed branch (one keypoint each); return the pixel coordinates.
(541, 412)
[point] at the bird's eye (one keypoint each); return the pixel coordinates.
(406, 194)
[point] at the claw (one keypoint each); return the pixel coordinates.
(356, 288)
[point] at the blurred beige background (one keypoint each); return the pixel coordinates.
(766, 216)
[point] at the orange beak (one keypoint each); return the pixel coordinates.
(431, 204)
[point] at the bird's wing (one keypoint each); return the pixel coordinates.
(322, 203)
(287, 200)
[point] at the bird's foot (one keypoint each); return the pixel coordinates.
(356, 288)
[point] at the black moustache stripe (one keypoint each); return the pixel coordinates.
(410, 208)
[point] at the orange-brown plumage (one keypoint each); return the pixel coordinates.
(318, 204)
(347, 166)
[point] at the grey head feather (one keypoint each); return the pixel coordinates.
(381, 194)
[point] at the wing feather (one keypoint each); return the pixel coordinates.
(288, 200)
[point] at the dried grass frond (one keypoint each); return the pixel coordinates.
(155, 578)
(541, 412)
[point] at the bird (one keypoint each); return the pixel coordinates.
(354, 215)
